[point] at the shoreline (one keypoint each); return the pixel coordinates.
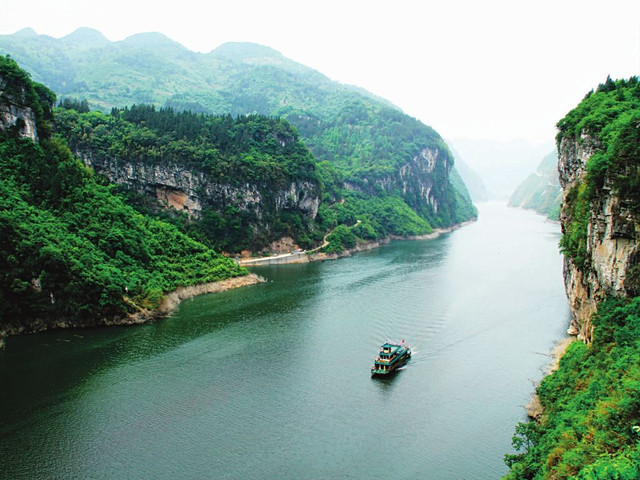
(534, 408)
(315, 256)
(142, 316)
(173, 298)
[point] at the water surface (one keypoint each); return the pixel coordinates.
(272, 380)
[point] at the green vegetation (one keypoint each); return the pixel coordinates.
(541, 191)
(72, 251)
(591, 423)
(257, 151)
(611, 115)
(590, 428)
(264, 152)
(362, 143)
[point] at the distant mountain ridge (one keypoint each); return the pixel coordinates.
(541, 191)
(369, 148)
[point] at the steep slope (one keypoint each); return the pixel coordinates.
(598, 161)
(471, 180)
(590, 424)
(501, 164)
(371, 147)
(71, 252)
(239, 183)
(541, 190)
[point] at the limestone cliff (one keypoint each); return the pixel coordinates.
(423, 183)
(612, 249)
(15, 113)
(188, 190)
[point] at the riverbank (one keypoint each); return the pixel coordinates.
(534, 408)
(316, 255)
(168, 305)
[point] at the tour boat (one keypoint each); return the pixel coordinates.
(390, 357)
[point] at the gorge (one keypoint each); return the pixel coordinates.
(273, 153)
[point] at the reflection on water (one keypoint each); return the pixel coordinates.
(273, 380)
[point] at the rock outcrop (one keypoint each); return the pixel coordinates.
(612, 240)
(419, 180)
(16, 114)
(190, 191)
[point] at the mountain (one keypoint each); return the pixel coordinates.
(365, 147)
(501, 164)
(470, 178)
(72, 252)
(589, 422)
(541, 190)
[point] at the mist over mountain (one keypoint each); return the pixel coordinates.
(367, 150)
(501, 165)
(541, 190)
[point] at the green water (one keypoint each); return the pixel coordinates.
(272, 380)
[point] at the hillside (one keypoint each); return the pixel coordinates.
(234, 184)
(470, 178)
(501, 164)
(541, 190)
(589, 427)
(72, 253)
(365, 147)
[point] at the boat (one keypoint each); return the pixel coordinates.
(390, 358)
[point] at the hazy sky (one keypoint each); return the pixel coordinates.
(494, 69)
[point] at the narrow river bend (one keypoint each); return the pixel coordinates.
(272, 380)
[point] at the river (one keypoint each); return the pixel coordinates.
(272, 380)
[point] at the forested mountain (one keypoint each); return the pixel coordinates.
(372, 158)
(541, 190)
(237, 183)
(589, 426)
(71, 251)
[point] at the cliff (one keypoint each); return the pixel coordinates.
(25, 106)
(358, 140)
(588, 418)
(73, 254)
(611, 242)
(16, 115)
(541, 190)
(187, 190)
(600, 211)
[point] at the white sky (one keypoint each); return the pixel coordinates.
(490, 69)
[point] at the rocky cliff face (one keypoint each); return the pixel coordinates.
(16, 114)
(190, 191)
(417, 180)
(612, 241)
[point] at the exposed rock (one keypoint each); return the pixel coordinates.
(190, 190)
(612, 241)
(14, 113)
(417, 180)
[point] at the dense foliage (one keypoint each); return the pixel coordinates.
(266, 153)
(252, 150)
(611, 115)
(17, 85)
(369, 144)
(591, 423)
(365, 141)
(72, 251)
(590, 428)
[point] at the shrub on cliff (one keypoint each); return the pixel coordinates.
(611, 115)
(590, 428)
(73, 252)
